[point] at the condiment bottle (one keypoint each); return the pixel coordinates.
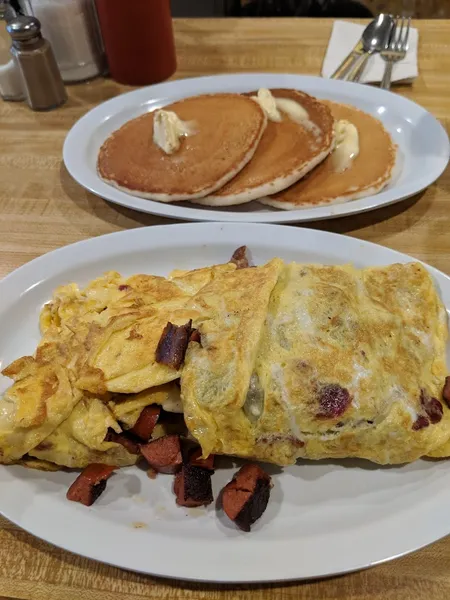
(138, 39)
(34, 57)
(72, 29)
(10, 81)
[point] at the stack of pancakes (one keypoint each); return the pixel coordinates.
(238, 151)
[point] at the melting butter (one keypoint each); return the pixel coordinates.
(273, 107)
(347, 146)
(293, 109)
(168, 129)
(268, 103)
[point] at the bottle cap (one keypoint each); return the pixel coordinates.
(6, 11)
(23, 29)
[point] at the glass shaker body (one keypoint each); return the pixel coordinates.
(71, 27)
(10, 81)
(42, 83)
(138, 39)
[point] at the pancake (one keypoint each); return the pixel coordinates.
(333, 362)
(368, 173)
(226, 131)
(288, 150)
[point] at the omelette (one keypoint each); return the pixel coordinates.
(41, 398)
(313, 361)
(95, 341)
(114, 326)
(115, 294)
(292, 361)
(80, 439)
(127, 408)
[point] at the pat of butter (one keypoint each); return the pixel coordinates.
(268, 103)
(294, 110)
(272, 107)
(347, 146)
(168, 129)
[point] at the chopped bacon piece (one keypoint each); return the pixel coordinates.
(128, 443)
(192, 486)
(145, 425)
(173, 344)
(245, 498)
(89, 484)
(45, 445)
(432, 407)
(196, 460)
(420, 423)
(164, 454)
(446, 391)
(195, 336)
(241, 258)
(333, 401)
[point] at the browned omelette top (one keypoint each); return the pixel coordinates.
(372, 168)
(227, 130)
(286, 147)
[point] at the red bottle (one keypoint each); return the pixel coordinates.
(138, 39)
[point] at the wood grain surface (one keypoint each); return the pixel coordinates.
(42, 208)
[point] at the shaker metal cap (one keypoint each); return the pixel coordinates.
(6, 11)
(24, 28)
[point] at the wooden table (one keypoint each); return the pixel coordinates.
(42, 208)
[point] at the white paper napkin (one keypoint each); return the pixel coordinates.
(343, 39)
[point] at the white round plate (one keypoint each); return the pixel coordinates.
(323, 518)
(422, 141)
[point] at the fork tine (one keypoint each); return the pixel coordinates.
(392, 38)
(400, 33)
(405, 41)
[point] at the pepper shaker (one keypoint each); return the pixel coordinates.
(33, 55)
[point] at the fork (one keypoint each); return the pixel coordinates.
(397, 48)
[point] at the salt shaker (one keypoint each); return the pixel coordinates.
(10, 81)
(42, 83)
(72, 29)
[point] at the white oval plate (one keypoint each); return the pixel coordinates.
(422, 141)
(323, 518)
